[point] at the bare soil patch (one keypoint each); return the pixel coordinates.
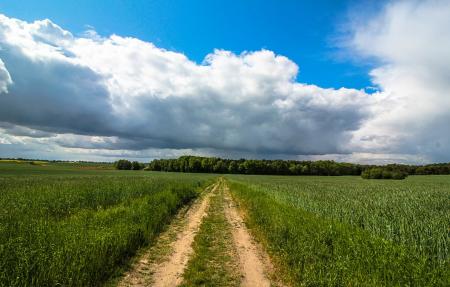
(163, 265)
(253, 261)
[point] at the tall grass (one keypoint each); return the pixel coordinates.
(347, 231)
(75, 230)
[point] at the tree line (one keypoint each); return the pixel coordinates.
(124, 164)
(196, 164)
(383, 173)
(283, 167)
(251, 166)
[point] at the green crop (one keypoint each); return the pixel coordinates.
(349, 231)
(60, 227)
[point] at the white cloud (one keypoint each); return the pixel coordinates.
(411, 40)
(137, 96)
(106, 97)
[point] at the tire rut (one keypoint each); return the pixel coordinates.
(169, 271)
(254, 263)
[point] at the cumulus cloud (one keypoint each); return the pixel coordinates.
(411, 41)
(104, 97)
(5, 78)
(126, 94)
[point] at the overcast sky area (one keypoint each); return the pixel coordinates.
(354, 81)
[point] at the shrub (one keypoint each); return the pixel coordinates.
(123, 164)
(135, 165)
(380, 173)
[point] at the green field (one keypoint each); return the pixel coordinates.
(69, 226)
(350, 231)
(64, 224)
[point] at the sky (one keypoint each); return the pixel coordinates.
(196, 28)
(357, 81)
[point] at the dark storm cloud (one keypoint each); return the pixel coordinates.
(53, 95)
(122, 93)
(15, 130)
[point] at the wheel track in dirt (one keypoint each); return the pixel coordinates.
(167, 271)
(255, 263)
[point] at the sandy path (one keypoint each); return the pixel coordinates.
(170, 273)
(253, 260)
(167, 271)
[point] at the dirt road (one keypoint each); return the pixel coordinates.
(164, 264)
(172, 250)
(252, 259)
(170, 273)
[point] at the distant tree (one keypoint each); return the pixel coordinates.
(398, 174)
(383, 173)
(305, 169)
(295, 168)
(195, 164)
(123, 164)
(220, 167)
(135, 165)
(233, 167)
(422, 170)
(291, 167)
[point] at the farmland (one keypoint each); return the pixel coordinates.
(77, 224)
(67, 226)
(348, 231)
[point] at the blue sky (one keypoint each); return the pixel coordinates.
(102, 80)
(304, 31)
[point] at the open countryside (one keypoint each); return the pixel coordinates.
(213, 143)
(75, 224)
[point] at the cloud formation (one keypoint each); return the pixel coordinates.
(411, 41)
(115, 96)
(136, 96)
(5, 78)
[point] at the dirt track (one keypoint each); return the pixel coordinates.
(252, 260)
(170, 273)
(168, 269)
